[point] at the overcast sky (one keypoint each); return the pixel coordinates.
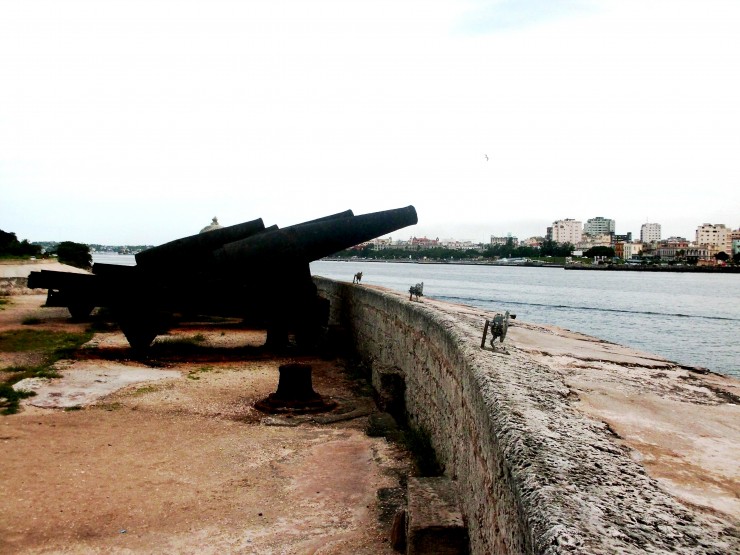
(138, 121)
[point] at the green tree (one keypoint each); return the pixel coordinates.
(722, 256)
(74, 254)
(599, 251)
(10, 246)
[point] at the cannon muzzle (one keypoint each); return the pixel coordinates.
(306, 242)
(196, 247)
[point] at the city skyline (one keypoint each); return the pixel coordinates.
(132, 123)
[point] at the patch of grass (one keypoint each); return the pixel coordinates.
(23, 372)
(42, 340)
(53, 346)
(146, 389)
(3, 301)
(74, 408)
(31, 321)
(10, 398)
(193, 374)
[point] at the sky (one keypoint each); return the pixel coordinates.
(137, 121)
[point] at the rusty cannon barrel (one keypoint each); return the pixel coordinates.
(309, 241)
(196, 247)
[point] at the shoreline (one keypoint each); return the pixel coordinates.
(650, 268)
(534, 264)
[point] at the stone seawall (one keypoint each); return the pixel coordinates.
(14, 274)
(535, 474)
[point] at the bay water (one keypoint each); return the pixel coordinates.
(689, 318)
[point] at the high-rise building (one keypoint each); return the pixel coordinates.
(599, 226)
(716, 236)
(567, 231)
(649, 233)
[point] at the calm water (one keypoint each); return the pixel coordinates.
(689, 318)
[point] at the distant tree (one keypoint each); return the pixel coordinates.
(10, 246)
(608, 252)
(736, 257)
(722, 256)
(74, 254)
(551, 248)
(7, 241)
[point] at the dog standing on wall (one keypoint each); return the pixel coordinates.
(357, 277)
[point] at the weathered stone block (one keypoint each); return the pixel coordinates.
(434, 522)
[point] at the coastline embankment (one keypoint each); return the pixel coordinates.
(559, 443)
(14, 274)
(655, 268)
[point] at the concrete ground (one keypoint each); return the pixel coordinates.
(167, 455)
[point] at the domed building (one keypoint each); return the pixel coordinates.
(214, 225)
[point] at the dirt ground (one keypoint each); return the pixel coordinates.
(180, 462)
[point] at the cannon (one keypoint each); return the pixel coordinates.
(260, 274)
(498, 328)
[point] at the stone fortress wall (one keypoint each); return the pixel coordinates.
(534, 474)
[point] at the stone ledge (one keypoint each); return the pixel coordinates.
(536, 474)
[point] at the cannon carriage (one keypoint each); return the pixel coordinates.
(249, 271)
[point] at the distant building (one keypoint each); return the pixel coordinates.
(590, 241)
(419, 243)
(626, 238)
(504, 240)
(214, 225)
(567, 231)
(459, 245)
(699, 254)
(631, 250)
(675, 241)
(599, 226)
(380, 244)
(535, 242)
(717, 237)
(548, 234)
(671, 252)
(649, 233)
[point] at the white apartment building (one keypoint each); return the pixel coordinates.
(717, 237)
(599, 226)
(649, 233)
(632, 249)
(567, 231)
